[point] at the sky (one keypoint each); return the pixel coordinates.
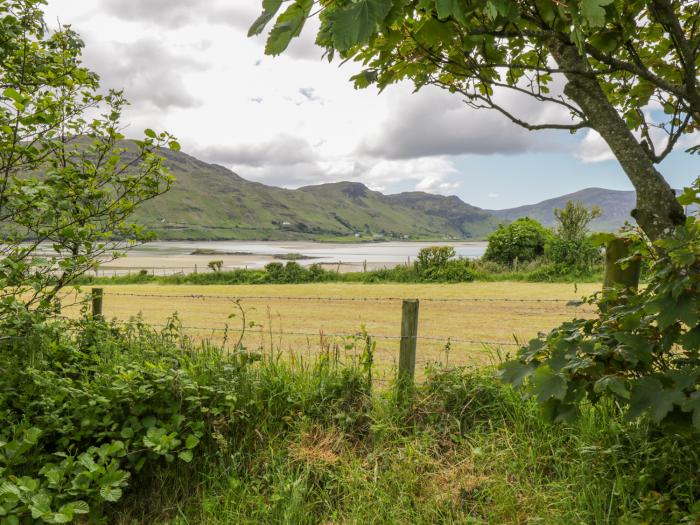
(188, 67)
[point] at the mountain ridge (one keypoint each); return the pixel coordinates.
(211, 202)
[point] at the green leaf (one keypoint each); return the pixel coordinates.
(150, 133)
(186, 456)
(191, 441)
(593, 11)
(109, 493)
(612, 384)
(602, 239)
(14, 95)
(515, 372)
(288, 25)
(548, 385)
(449, 8)
(174, 145)
(692, 404)
(270, 8)
(356, 23)
(649, 396)
(31, 436)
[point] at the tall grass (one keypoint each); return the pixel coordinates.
(467, 450)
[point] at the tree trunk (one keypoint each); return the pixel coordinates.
(657, 210)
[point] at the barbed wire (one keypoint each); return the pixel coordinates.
(567, 302)
(341, 334)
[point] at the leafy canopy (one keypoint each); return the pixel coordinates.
(643, 350)
(642, 52)
(68, 181)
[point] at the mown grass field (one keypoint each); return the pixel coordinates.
(302, 320)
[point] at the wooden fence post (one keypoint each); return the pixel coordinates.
(615, 274)
(97, 295)
(407, 352)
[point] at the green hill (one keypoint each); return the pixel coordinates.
(211, 202)
(615, 205)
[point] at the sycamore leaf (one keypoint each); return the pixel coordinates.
(515, 372)
(548, 384)
(356, 23)
(270, 8)
(612, 384)
(594, 12)
(447, 8)
(650, 396)
(288, 25)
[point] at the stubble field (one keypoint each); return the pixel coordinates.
(459, 324)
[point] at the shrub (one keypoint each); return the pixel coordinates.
(523, 239)
(89, 416)
(215, 266)
(437, 264)
(577, 255)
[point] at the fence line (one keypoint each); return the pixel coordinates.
(346, 334)
(566, 302)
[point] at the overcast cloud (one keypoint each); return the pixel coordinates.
(187, 66)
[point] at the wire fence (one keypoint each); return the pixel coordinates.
(452, 330)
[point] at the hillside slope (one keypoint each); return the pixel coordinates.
(211, 202)
(616, 206)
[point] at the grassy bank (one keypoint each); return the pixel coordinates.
(167, 431)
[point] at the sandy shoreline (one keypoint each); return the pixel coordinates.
(164, 258)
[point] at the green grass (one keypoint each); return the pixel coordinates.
(469, 450)
(295, 441)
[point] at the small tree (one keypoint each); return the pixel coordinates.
(68, 182)
(523, 239)
(571, 246)
(434, 257)
(215, 266)
(573, 220)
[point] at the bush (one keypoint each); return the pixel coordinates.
(523, 240)
(438, 264)
(578, 255)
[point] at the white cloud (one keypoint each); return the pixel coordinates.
(188, 66)
(594, 149)
(435, 122)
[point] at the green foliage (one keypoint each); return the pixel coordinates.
(574, 219)
(523, 239)
(643, 350)
(86, 417)
(67, 186)
(215, 266)
(571, 247)
(439, 264)
(469, 450)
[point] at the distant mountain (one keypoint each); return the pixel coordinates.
(209, 201)
(616, 206)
